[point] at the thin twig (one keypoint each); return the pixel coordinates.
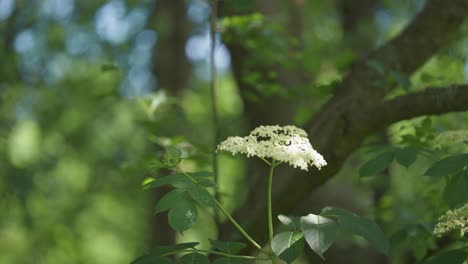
(214, 108)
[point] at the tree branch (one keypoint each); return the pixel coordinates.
(332, 132)
(431, 101)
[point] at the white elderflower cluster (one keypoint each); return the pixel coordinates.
(452, 137)
(453, 219)
(287, 144)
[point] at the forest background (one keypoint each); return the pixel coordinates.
(92, 91)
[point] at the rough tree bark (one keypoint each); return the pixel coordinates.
(338, 129)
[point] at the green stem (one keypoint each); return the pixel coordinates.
(229, 217)
(270, 213)
(241, 230)
(212, 252)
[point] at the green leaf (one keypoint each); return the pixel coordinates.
(162, 250)
(293, 222)
(447, 166)
(226, 260)
(452, 257)
(156, 256)
(201, 174)
(204, 178)
(456, 190)
(290, 254)
(288, 245)
(206, 182)
(402, 79)
(168, 200)
(376, 164)
(201, 195)
(362, 227)
(151, 259)
(319, 232)
(183, 215)
(227, 247)
(176, 180)
(376, 66)
(172, 157)
(193, 258)
(173, 153)
(156, 164)
(284, 240)
(405, 156)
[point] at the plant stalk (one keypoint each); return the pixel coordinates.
(241, 230)
(270, 213)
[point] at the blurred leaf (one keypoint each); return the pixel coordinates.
(201, 174)
(226, 260)
(156, 256)
(447, 166)
(201, 195)
(176, 180)
(151, 259)
(376, 164)
(402, 79)
(193, 258)
(376, 66)
(183, 215)
(448, 257)
(227, 247)
(169, 200)
(319, 232)
(405, 156)
(162, 250)
(173, 156)
(362, 227)
(157, 164)
(108, 67)
(293, 222)
(456, 190)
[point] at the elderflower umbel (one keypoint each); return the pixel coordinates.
(452, 137)
(453, 219)
(287, 144)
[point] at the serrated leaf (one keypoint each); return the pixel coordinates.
(447, 166)
(193, 258)
(151, 259)
(183, 215)
(176, 180)
(201, 195)
(227, 247)
(168, 200)
(362, 227)
(226, 260)
(405, 156)
(319, 232)
(452, 257)
(456, 190)
(293, 222)
(376, 164)
(288, 245)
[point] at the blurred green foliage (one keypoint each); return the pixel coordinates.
(81, 114)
